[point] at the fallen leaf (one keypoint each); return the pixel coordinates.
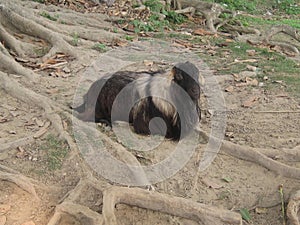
(28, 223)
(229, 89)
(4, 208)
(202, 32)
(65, 124)
(66, 70)
(229, 134)
(2, 220)
(259, 210)
(42, 131)
(251, 81)
(14, 113)
(251, 68)
(38, 122)
(250, 101)
(21, 149)
(148, 63)
(52, 91)
(211, 184)
(3, 119)
(251, 52)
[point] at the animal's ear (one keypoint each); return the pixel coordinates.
(176, 74)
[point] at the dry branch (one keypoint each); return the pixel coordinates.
(164, 203)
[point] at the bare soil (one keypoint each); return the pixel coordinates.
(271, 122)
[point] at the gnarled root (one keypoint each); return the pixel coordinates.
(164, 203)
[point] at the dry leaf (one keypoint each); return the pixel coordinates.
(38, 122)
(2, 220)
(66, 70)
(148, 63)
(211, 184)
(250, 101)
(52, 91)
(4, 208)
(202, 32)
(65, 124)
(28, 223)
(229, 89)
(251, 81)
(229, 134)
(42, 131)
(3, 119)
(251, 52)
(251, 68)
(261, 210)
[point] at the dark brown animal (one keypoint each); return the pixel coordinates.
(140, 97)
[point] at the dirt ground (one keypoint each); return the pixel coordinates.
(272, 121)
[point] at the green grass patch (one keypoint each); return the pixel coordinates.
(248, 20)
(100, 47)
(48, 16)
(290, 7)
(75, 39)
(56, 151)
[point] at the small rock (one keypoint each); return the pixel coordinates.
(261, 84)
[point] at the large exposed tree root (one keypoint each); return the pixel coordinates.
(59, 38)
(17, 21)
(235, 150)
(176, 206)
(212, 11)
(257, 156)
(15, 177)
(265, 38)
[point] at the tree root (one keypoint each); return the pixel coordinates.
(80, 212)
(255, 155)
(168, 204)
(265, 38)
(293, 209)
(20, 180)
(31, 28)
(210, 11)
(242, 152)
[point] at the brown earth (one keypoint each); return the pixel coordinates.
(272, 121)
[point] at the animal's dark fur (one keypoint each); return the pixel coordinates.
(153, 96)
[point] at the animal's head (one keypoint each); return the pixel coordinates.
(186, 75)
